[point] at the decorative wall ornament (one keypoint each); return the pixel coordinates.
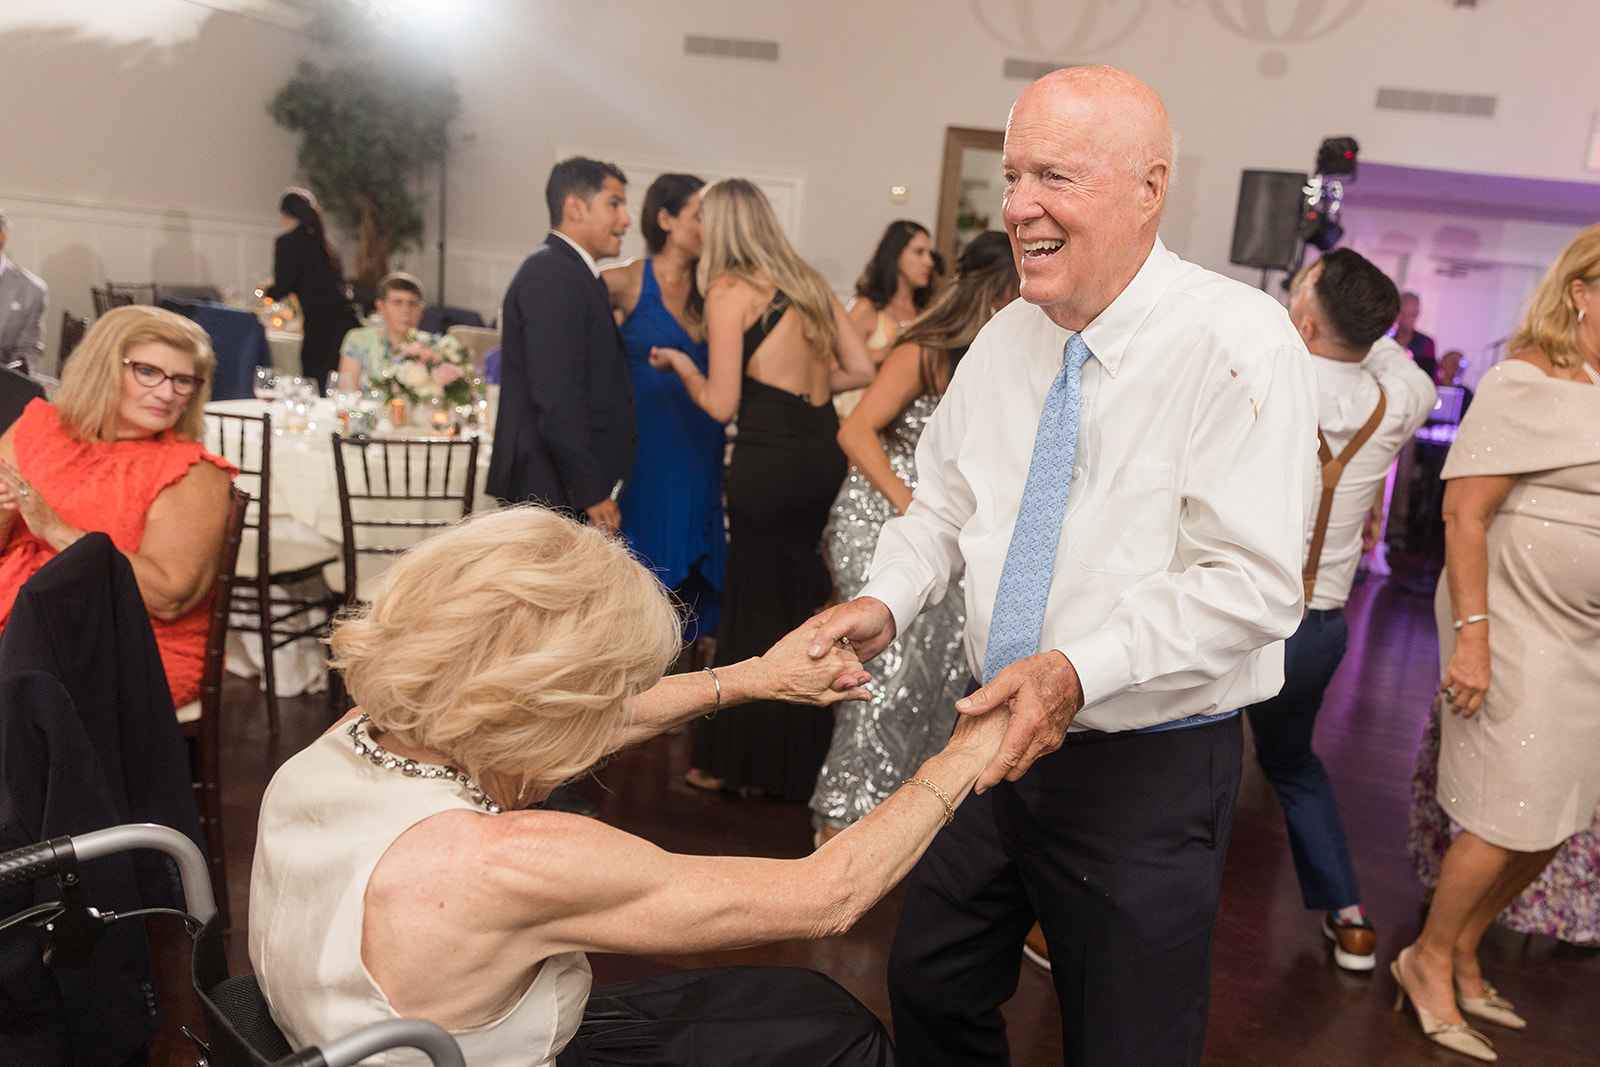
(1284, 20)
(1055, 27)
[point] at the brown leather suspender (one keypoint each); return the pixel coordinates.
(1332, 470)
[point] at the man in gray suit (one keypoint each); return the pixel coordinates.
(23, 298)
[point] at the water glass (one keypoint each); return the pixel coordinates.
(265, 385)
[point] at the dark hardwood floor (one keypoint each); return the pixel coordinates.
(1277, 998)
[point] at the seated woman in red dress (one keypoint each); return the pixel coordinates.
(118, 453)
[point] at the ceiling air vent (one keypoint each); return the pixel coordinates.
(730, 48)
(1031, 69)
(1477, 106)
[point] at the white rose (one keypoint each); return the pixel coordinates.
(412, 375)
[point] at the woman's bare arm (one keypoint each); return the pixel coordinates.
(785, 672)
(717, 394)
(177, 558)
(898, 383)
(852, 365)
(1469, 506)
(526, 885)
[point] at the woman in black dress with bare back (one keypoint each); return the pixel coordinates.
(781, 346)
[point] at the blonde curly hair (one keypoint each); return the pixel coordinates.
(514, 642)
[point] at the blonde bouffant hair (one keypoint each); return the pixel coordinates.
(91, 382)
(743, 236)
(1551, 322)
(514, 642)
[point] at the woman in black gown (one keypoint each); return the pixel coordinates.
(305, 264)
(780, 347)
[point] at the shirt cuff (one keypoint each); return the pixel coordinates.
(901, 597)
(1101, 663)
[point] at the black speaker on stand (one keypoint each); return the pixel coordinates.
(1266, 222)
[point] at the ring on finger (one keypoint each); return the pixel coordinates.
(1450, 693)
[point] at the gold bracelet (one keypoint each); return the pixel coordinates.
(944, 798)
(718, 683)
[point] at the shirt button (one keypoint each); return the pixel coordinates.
(1077, 472)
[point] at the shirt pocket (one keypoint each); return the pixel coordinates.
(1133, 531)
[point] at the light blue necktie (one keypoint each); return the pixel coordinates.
(1018, 619)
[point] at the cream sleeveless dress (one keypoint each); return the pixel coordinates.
(328, 816)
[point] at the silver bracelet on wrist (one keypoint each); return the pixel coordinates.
(1469, 620)
(718, 683)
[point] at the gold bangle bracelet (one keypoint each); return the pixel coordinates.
(944, 798)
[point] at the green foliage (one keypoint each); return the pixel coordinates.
(368, 125)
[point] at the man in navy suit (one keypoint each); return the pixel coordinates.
(565, 434)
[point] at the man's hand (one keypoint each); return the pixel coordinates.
(865, 622)
(606, 516)
(1372, 528)
(1044, 695)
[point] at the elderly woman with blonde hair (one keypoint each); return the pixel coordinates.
(398, 871)
(118, 453)
(1519, 621)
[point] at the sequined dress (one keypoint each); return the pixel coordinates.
(916, 680)
(1524, 772)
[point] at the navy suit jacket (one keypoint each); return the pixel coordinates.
(565, 433)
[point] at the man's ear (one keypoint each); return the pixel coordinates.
(1154, 190)
(574, 209)
(1307, 327)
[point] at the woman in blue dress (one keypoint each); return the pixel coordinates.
(672, 504)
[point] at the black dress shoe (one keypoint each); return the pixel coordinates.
(566, 798)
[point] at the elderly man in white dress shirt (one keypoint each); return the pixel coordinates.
(1132, 535)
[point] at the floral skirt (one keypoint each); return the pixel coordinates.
(1563, 902)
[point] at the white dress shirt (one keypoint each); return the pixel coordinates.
(1178, 570)
(588, 260)
(1346, 395)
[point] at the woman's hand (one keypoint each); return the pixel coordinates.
(1466, 676)
(671, 359)
(17, 494)
(981, 734)
(790, 674)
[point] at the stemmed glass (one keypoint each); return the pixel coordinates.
(265, 386)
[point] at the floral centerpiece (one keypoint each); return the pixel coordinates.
(427, 368)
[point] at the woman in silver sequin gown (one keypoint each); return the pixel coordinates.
(918, 679)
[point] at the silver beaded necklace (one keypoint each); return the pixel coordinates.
(381, 757)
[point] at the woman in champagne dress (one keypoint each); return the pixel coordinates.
(1519, 623)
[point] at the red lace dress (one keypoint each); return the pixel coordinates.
(107, 486)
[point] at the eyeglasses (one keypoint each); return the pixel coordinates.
(151, 376)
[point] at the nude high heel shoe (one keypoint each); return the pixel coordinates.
(1492, 1008)
(1457, 1037)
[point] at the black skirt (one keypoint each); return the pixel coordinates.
(728, 1017)
(786, 470)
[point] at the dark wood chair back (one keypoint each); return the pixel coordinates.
(393, 492)
(203, 734)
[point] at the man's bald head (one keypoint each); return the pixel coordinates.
(1134, 124)
(1087, 157)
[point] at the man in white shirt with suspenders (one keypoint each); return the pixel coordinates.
(1371, 399)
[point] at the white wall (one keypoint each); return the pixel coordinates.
(114, 126)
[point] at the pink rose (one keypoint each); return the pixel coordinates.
(446, 373)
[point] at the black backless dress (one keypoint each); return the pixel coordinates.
(786, 470)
